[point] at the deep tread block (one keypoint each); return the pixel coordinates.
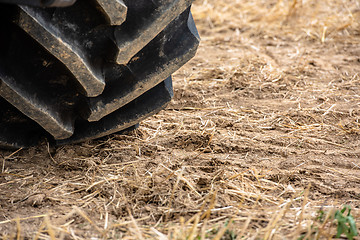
(50, 83)
(159, 59)
(132, 39)
(146, 105)
(116, 10)
(59, 75)
(58, 37)
(17, 130)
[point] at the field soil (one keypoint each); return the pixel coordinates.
(261, 140)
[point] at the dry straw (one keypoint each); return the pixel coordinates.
(248, 149)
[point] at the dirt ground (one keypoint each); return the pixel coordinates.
(261, 140)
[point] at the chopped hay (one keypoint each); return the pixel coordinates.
(262, 138)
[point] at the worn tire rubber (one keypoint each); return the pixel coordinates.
(86, 71)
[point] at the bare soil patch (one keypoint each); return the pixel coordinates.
(261, 140)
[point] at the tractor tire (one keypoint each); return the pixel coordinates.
(89, 70)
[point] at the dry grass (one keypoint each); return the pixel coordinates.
(315, 20)
(261, 137)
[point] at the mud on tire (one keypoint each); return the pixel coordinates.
(89, 70)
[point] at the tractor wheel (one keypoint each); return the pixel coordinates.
(89, 70)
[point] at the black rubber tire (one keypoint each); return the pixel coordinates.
(89, 70)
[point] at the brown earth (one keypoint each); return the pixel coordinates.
(261, 138)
